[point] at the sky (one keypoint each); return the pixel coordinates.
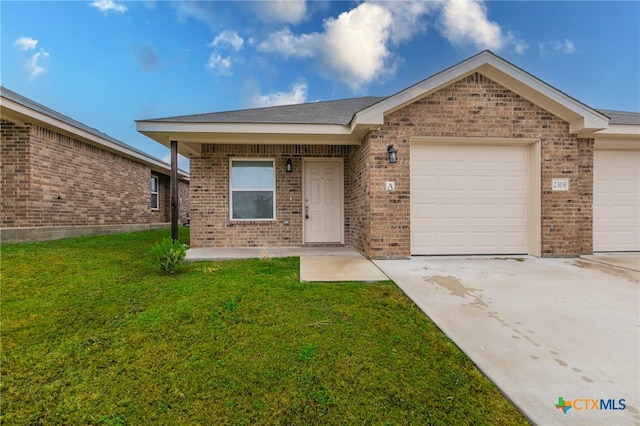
(107, 63)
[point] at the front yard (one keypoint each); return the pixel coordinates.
(92, 333)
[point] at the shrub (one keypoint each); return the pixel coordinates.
(168, 254)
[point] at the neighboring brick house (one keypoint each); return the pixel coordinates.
(61, 178)
(490, 160)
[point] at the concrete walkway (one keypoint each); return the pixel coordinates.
(317, 264)
(339, 268)
(540, 329)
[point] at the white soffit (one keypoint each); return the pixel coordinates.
(580, 117)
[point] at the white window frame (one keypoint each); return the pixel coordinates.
(156, 192)
(232, 189)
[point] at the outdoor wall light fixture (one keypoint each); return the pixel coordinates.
(289, 166)
(393, 154)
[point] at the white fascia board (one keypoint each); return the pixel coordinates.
(620, 130)
(246, 128)
(27, 115)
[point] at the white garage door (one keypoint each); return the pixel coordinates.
(616, 200)
(469, 199)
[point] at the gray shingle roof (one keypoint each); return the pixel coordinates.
(325, 112)
(621, 117)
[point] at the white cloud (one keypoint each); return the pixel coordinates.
(230, 38)
(109, 6)
(519, 45)
(357, 47)
(289, 45)
(34, 64)
(282, 11)
(407, 18)
(356, 43)
(565, 46)
(353, 45)
(26, 43)
(465, 23)
(219, 65)
(297, 95)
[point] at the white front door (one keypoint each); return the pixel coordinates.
(322, 207)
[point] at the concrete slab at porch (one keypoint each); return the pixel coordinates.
(317, 264)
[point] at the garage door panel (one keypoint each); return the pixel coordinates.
(616, 200)
(514, 211)
(426, 183)
(453, 183)
(479, 202)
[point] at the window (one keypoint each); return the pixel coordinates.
(253, 187)
(154, 193)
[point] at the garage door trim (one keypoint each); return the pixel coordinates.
(534, 231)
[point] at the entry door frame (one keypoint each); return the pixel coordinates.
(305, 165)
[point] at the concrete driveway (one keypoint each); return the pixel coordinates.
(540, 329)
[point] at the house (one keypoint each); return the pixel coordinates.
(61, 178)
(489, 160)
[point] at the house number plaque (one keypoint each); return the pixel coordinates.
(560, 184)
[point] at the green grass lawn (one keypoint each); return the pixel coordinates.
(92, 333)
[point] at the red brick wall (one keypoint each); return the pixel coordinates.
(209, 196)
(183, 191)
(14, 170)
(67, 182)
(359, 205)
(478, 107)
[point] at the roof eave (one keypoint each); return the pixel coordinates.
(619, 131)
(191, 135)
(22, 114)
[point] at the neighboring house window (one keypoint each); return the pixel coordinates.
(253, 188)
(154, 193)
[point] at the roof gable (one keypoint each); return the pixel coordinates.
(582, 119)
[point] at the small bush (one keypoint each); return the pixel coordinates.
(168, 254)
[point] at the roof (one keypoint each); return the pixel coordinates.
(325, 112)
(621, 117)
(100, 137)
(346, 121)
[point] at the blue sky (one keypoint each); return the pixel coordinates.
(107, 63)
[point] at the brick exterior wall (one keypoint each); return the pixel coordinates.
(209, 196)
(475, 107)
(15, 160)
(52, 180)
